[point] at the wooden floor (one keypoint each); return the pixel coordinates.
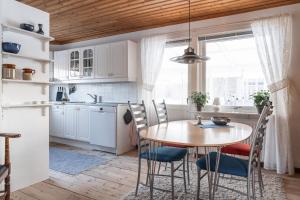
(108, 182)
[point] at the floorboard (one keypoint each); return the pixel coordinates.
(111, 181)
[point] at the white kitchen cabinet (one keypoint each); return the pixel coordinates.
(103, 123)
(61, 65)
(70, 122)
(119, 58)
(116, 60)
(81, 63)
(57, 121)
(103, 57)
(76, 122)
(83, 129)
(112, 62)
(74, 62)
(102, 127)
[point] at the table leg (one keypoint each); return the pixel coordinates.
(153, 157)
(216, 171)
(207, 157)
(212, 180)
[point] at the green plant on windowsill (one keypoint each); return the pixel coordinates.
(200, 99)
(260, 99)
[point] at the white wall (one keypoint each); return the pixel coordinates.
(30, 153)
(225, 24)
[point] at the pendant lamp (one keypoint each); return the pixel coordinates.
(189, 56)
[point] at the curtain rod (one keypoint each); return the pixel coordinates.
(174, 34)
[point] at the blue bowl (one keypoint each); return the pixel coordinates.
(11, 47)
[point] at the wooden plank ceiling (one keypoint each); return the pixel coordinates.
(77, 20)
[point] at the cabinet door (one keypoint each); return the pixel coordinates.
(57, 121)
(83, 131)
(118, 59)
(74, 63)
(61, 61)
(87, 62)
(70, 122)
(102, 54)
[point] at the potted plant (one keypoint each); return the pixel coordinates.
(260, 99)
(200, 99)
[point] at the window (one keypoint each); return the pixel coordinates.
(172, 81)
(233, 72)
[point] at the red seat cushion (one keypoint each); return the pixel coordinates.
(240, 149)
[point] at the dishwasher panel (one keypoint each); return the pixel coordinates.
(103, 124)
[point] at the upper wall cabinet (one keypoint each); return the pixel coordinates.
(61, 65)
(81, 63)
(113, 62)
(116, 61)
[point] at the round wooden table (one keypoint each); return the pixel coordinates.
(188, 133)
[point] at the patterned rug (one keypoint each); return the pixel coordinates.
(273, 188)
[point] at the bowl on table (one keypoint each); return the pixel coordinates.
(11, 47)
(27, 27)
(221, 121)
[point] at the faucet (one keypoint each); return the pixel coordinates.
(94, 96)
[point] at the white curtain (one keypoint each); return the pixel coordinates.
(274, 41)
(152, 52)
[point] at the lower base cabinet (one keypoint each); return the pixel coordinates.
(83, 121)
(70, 122)
(57, 121)
(94, 124)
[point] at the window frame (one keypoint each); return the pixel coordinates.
(202, 66)
(197, 72)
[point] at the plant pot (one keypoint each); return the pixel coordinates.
(199, 107)
(259, 108)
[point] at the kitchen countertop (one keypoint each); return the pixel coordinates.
(88, 103)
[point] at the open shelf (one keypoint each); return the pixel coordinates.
(24, 81)
(26, 57)
(25, 105)
(29, 33)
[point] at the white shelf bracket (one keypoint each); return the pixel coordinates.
(43, 109)
(43, 67)
(43, 89)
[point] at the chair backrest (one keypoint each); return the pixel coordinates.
(258, 136)
(161, 111)
(139, 115)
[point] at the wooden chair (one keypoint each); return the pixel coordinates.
(5, 168)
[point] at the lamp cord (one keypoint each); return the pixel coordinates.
(189, 23)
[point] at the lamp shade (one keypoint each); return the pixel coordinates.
(189, 57)
(216, 101)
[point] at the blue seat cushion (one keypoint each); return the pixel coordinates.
(228, 164)
(165, 154)
(3, 172)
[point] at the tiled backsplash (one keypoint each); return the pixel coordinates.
(110, 92)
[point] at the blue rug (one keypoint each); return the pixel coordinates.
(71, 162)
